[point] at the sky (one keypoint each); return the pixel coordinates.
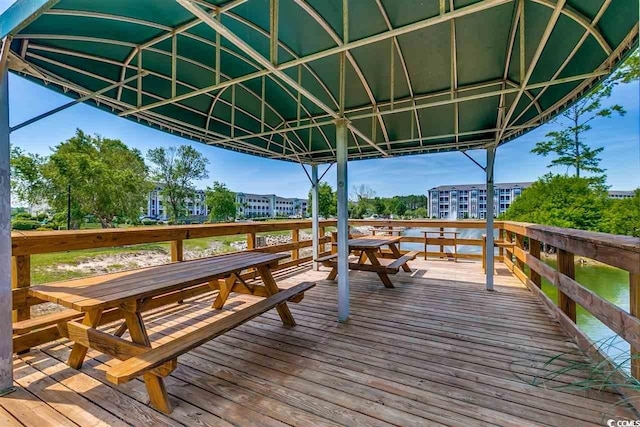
(387, 177)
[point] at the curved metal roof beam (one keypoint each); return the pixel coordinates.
(159, 75)
(428, 22)
(160, 122)
(413, 100)
(581, 20)
(517, 11)
(294, 55)
(575, 50)
(162, 52)
(551, 24)
(184, 32)
(151, 95)
(403, 62)
(629, 42)
(527, 93)
(269, 67)
(331, 33)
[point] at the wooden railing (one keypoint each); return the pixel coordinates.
(27, 244)
(618, 251)
(440, 241)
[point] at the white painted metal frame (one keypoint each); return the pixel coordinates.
(283, 140)
(6, 338)
(489, 250)
(343, 220)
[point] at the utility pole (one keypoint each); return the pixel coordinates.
(69, 207)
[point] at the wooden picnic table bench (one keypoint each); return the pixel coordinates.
(368, 248)
(497, 243)
(130, 292)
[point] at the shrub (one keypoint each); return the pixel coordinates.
(149, 222)
(43, 228)
(24, 224)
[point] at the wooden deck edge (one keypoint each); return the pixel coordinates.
(587, 346)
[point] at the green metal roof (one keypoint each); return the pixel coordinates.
(264, 76)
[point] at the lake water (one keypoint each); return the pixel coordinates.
(608, 282)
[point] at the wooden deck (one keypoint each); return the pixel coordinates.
(436, 350)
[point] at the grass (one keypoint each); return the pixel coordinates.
(599, 376)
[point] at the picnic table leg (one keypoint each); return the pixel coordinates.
(363, 258)
(333, 273)
(225, 285)
(384, 277)
(78, 353)
(155, 385)
(397, 254)
(272, 289)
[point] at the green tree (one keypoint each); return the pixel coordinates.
(27, 181)
(400, 208)
(107, 179)
(175, 171)
(327, 200)
(379, 206)
(562, 201)
(420, 213)
(622, 216)
(568, 143)
(629, 70)
(221, 202)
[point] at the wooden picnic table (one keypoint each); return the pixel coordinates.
(368, 248)
(129, 291)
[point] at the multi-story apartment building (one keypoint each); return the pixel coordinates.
(614, 194)
(269, 205)
(157, 206)
(470, 201)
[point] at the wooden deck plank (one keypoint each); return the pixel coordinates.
(436, 350)
(6, 419)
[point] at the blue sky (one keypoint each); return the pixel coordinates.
(387, 177)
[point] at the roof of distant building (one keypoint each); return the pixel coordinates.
(269, 196)
(481, 186)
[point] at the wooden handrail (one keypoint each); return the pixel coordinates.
(618, 251)
(39, 242)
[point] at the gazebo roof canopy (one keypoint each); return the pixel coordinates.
(270, 77)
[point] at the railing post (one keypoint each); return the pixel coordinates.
(251, 241)
(6, 349)
(566, 266)
(634, 309)
(519, 244)
(177, 252)
(484, 253)
(322, 246)
(21, 278)
(441, 246)
(534, 251)
(334, 239)
(501, 232)
(295, 238)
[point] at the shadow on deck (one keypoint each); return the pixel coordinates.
(437, 349)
